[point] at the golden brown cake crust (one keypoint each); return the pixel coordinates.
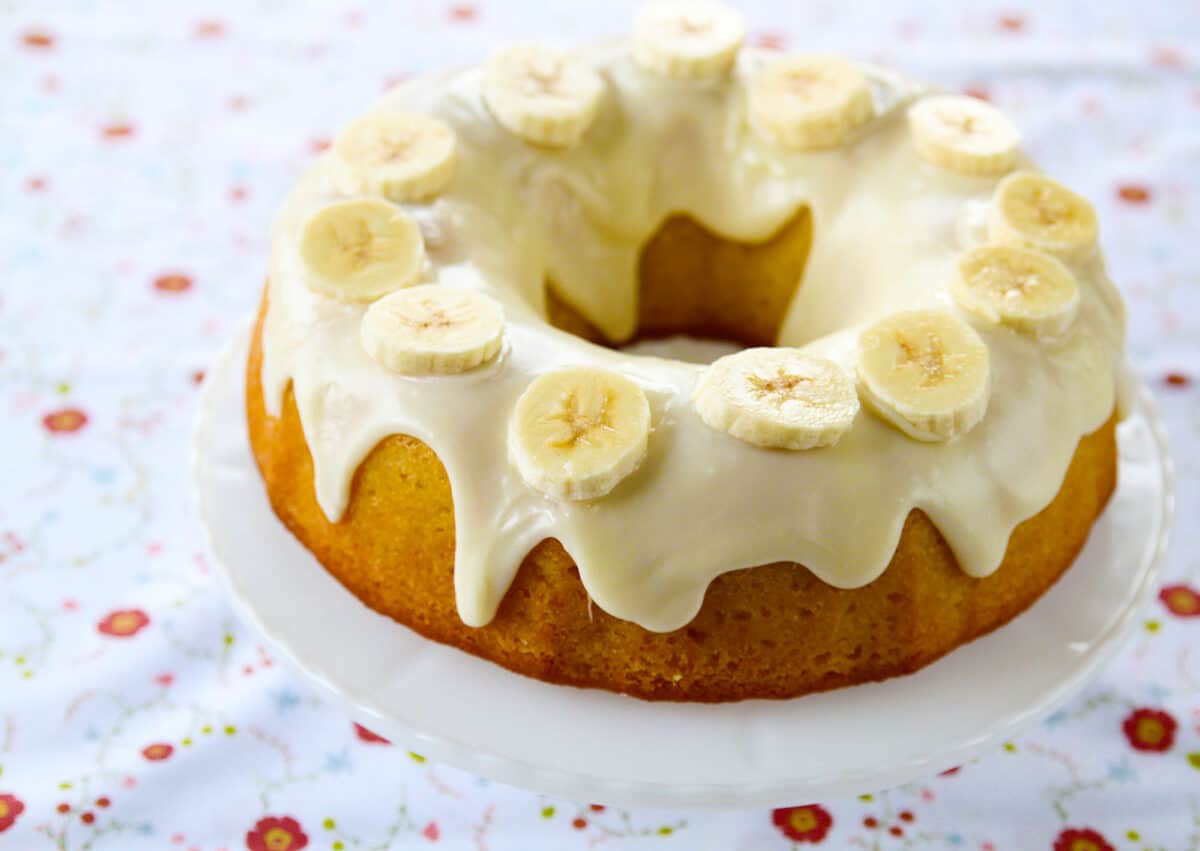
(772, 631)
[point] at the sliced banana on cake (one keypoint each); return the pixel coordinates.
(964, 135)
(1032, 210)
(432, 330)
(927, 372)
(809, 102)
(687, 39)
(1024, 289)
(404, 156)
(544, 96)
(777, 398)
(577, 432)
(360, 249)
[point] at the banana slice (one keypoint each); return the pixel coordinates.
(404, 156)
(1032, 210)
(432, 330)
(541, 95)
(809, 102)
(926, 372)
(964, 135)
(687, 40)
(777, 398)
(577, 432)
(1023, 289)
(360, 249)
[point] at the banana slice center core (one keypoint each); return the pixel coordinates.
(789, 386)
(928, 356)
(356, 241)
(394, 146)
(964, 124)
(808, 83)
(544, 76)
(435, 319)
(1051, 212)
(580, 420)
(694, 23)
(1007, 282)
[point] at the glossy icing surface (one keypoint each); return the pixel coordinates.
(888, 228)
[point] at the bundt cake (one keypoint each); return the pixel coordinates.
(908, 443)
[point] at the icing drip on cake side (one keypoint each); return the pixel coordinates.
(888, 228)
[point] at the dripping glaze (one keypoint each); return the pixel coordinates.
(887, 230)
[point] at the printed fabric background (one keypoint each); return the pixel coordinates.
(144, 147)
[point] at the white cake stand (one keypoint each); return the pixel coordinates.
(591, 745)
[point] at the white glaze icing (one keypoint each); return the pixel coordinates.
(887, 229)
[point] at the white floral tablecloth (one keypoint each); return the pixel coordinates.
(143, 149)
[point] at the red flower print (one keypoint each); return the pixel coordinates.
(173, 282)
(319, 145)
(64, 420)
(431, 832)
(1181, 600)
(1166, 57)
(10, 808)
(1133, 193)
(1150, 730)
(1075, 839)
(809, 823)
(463, 12)
(35, 184)
(37, 40)
(209, 29)
(276, 834)
(124, 623)
(117, 131)
(771, 40)
(579, 823)
(367, 736)
(1012, 23)
(158, 751)
(1176, 379)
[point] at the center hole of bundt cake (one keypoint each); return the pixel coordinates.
(725, 295)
